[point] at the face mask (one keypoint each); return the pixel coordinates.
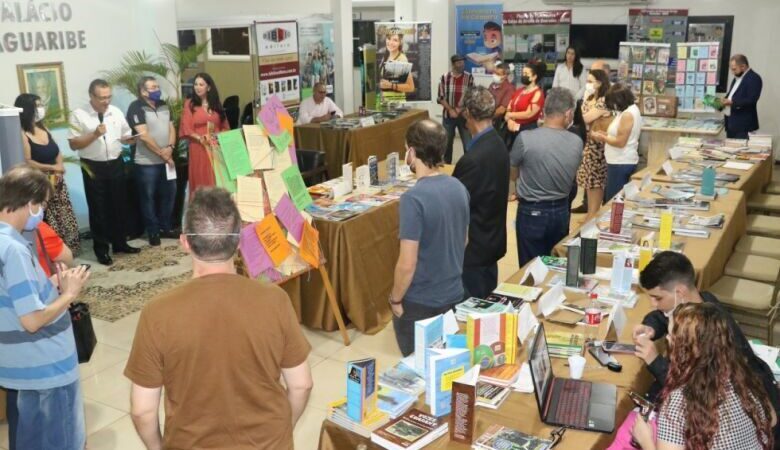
(497, 78)
(40, 113)
(155, 96)
(34, 219)
(669, 313)
(589, 89)
(525, 80)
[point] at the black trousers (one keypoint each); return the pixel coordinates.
(480, 281)
(106, 191)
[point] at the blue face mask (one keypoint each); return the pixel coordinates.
(155, 96)
(34, 219)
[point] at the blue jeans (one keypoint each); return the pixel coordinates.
(450, 125)
(46, 419)
(617, 177)
(156, 196)
(540, 226)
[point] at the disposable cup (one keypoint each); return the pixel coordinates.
(576, 366)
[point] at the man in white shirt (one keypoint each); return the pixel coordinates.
(97, 133)
(318, 108)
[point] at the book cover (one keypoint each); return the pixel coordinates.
(413, 430)
(554, 263)
(491, 395)
(373, 170)
(527, 293)
(428, 333)
(394, 402)
(573, 266)
(337, 413)
(464, 398)
(502, 375)
(515, 302)
(361, 388)
(492, 339)
(563, 344)
(444, 366)
(403, 378)
(500, 437)
(588, 255)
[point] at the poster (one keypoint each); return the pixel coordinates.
(657, 25)
(478, 36)
(316, 51)
(278, 64)
(541, 35)
(697, 74)
(644, 67)
(369, 75)
(714, 29)
(403, 56)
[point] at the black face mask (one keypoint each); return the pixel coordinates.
(525, 80)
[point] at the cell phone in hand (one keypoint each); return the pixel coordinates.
(645, 405)
(86, 266)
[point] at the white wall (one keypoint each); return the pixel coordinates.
(112, 27)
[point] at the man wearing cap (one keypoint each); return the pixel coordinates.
(451, 88)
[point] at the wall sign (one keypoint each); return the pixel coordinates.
(32, 12)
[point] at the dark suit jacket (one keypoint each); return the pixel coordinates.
(744, 114)
(484, 170)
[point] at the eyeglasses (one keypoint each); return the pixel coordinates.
(556, 435)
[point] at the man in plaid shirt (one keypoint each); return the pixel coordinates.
(451, 88)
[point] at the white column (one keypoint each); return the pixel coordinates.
(342, 24)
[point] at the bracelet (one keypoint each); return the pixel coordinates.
(390, 300)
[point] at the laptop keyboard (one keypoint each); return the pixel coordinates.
(573, 399)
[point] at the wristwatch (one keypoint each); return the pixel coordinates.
(390, 300)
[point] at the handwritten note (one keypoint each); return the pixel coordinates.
(268, 115)
(310, 245)
(255, 257)
(296, 187)
(290, 217)
(273, 240)
(235, 153)
(258, 147)
(281, 141)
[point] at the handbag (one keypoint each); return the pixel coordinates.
(80, 317)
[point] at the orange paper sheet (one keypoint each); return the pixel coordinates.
(310, 245)
(273, 240)
(286, 122)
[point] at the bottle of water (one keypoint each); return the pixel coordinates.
(592, 317)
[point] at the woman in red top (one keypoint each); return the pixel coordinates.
(527, 103)
(202, 117)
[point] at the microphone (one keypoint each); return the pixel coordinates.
(100, 117)
(105, 142)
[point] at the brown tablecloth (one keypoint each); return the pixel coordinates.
(356, 145)
(520, 412)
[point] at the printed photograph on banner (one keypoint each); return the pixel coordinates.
(404, 61)
(278, 63)
(478, 35)
(540, 35)
(316, 52)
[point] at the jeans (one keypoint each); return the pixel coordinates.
(450, 125)
(539, 226)
(156, 196)
(480, 281)
(46, 419)
(617, 177)
(404, 325)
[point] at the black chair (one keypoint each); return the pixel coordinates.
(232, 111)
(248, 116)
(312, 165)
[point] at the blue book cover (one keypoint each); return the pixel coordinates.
(428, 333)
(445, 365)
(394, 402)
(361, 388)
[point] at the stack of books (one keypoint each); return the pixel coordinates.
(475, 305)
(412, 431)
(337, 413)
(562, 344)
(502, 375)
(394, 402)
(403, 378)
(490, 395)
(606, 295)
(527, 293)
(498, 437)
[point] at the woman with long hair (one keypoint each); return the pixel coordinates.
(394, 51)
(41, 152)
(711, 399)
(571, 75)
(527, 103)
(592, 174)
(201, 119)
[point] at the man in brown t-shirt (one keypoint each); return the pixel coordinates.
(219, 344)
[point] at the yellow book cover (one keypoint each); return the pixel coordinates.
(492, 339)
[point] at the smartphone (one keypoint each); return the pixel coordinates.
(645, 405)
(616, 347)
(87, 266)
(605, 359)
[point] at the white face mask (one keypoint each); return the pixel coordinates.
(497, 78)
(40, 113)
(589, 89)
(670, 313)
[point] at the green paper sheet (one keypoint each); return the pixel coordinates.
(235, 153)
(221, 176)
(296, 187)
(282, 141)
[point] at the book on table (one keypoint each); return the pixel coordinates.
(403, 378)
(514, 302)
(337, 413)
(412, 431)
(361, 388)
(498, 437)
(444, 366)
(428, 333)
(394, 402)
(527, 293)
(562, 344)
(492, 339)
(464, 402)
(502, 375)
(475, 305)
(491, 395)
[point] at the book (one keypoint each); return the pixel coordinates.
(394, 402)
(337, 413)
(444, 365)
(502, 375)
(491, 395)
(715, 221)
(527, 293)
(361, 388)
(588, 255)
(606, 295)
(428, 333)
(585, 285)
(412, 431)
(573, 266)
(555, 263)
(492, 339)
(373, 170)
(514, 302)
(464, 401)
(498, 437)
(475, 305)
(562, 344)
(403, 378)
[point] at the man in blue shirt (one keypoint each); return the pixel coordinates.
(38, 361)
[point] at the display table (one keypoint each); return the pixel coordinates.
(750, 181)
(659, 135)
(520, 412)
(356, 145)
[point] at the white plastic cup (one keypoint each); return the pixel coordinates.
(576, 366)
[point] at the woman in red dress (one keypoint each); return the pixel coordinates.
(201, 118)
(527, 103)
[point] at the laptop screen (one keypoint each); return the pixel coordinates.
(541, 367)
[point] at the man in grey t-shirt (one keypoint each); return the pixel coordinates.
(150, 117)
(434, 220)
(547, 159)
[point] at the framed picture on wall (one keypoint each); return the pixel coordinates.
(714, 29)
(47, 81)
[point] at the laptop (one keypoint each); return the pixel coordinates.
(570, 403)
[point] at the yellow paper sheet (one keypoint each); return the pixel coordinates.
(259, 147)
(273, 240)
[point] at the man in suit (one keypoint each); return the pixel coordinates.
(742, 98)
(484, 170)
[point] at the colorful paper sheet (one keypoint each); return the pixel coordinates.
(296, 187)
(249, 198)
(310, 245)
(221, 175)
(290, 217)
(281, 141)
(258, 147)
(255, 257)
(285, 121)
(269, 117)
(273, 240)
(234, 153)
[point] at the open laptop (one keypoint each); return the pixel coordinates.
(565, 402)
